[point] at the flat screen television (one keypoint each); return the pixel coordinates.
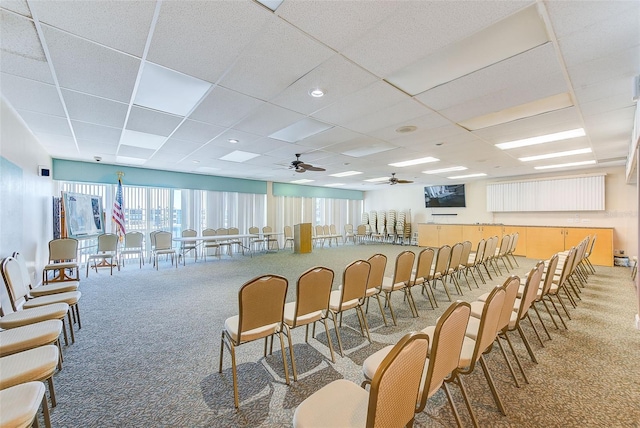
(444, 196)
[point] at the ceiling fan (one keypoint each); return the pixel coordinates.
(393, 180)
(300, 166)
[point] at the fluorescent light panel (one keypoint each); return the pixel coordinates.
(302, 181)
(443, 170)
(169, 91)
(239, 156)
(414, 162)
(534, 108)
(515, 34)
(142, 139)
(555, 155)
(481, 174)
(558, 136)
(566, 165)
(345, 174)
(377, 180)
(271, 4)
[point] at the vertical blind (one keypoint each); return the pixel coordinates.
(558, 194)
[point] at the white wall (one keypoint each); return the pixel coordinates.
(621, 208)
(26, 204)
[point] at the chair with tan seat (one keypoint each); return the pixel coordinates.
(378, 264)
(152, 244)
(349, 234)
(224, 243)
(269, 238)
(37, 364)
(31, 336)
(51, 288)
(19, 405)
(164, 246)
(256, 241)
(453, 271)
(133, 246)
(312, 305)
(260, 316)
(63, 257)
(361, 234)
(422, 276)
(21, 299)
(441, 268)
(400, 281)
(235, 241)
(207, 245)
(288, 237)
(512, 248)
(501, 252)
(473, 262)
(543, 290)
(334, 233)
(187, 247)
(107, 253)
(464, 261)
(351, 295)
(390, 402)
(318, 237)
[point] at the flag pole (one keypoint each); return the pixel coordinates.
(118, 210)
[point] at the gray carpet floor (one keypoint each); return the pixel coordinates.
(147, 354)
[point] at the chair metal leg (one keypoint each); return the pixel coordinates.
(550, 315)
(506, 359)
(412, 303)
(540, 318)
(364, 321)
(384, 317)
(467, 403)
(452, 404)
(558, 312)
(284, 359)
(526, 344)
(52, 392)
(492, 386)
(326, 329)
(513, 351)
(293, 358)
(335, 326)
(387, 296)
(45, 414)
(444, 285)
(222, 345)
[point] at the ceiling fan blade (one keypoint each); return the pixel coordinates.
(299, 169)
(404, 181)
(313, 168)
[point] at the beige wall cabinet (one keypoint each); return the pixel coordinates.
(437, 235)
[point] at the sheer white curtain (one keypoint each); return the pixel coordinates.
(231, 209)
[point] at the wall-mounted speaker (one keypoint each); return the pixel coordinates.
(44, 171)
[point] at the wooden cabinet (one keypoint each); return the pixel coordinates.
(544, 242)
(603, 249)
(472, 233)
(437, 235)
(521, 246)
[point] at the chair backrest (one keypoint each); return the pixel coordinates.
(466, 250)
(456, 256)
(593, 242)
(396, 383)
(404, 267)
(482, 245)
(490, 249)
(514, 242)
(163, 240)
(446, 345)
(319, 230)
(17, 288)
(189, 233)
(348, 229)
(354, 281)
(312, 291)
(531, 287)
(566, 266)
(378, 264)
(326, 229)
(361, 230)
(491, 312)
(252, 230)
(288, 233)
(511, 286)
(63, 249)
(442, 259)
(133, 240)
(222, 231)
(267, 229)
(261, 302)
(423, 269)
(107, 242)
(551, 271)
(24, 270)
(152, 238)
(505, 244)
(333, 229)
(234, 231)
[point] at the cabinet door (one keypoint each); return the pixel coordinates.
(472, 233)
(521, 248)
(489, 231)
(450, 234)
(428, 235)
(544, 242)
(603, 248)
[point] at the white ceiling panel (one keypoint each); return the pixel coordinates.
(214, 32)
(225, 107)
(46, 123)
(368, 100)
(401, 113)
(135, 152)
(337, 77)
(61, 145)
(261, 145)
(329, 137)
(96, 133)
(623, 65)
(245, 139)
(17, 6)
(121, 25)
(100, 111)
(267, 119)
(604, 105)
(280, 56)
(95, 148)
(198, 132)
(400, 39)
(31, 95)
(152, 121)
(102, 72)
(179, 148)
(569, 17)
(600, 90)
(430, 120)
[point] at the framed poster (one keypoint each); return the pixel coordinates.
(83, 215)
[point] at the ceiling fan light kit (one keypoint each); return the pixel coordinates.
(299, 166)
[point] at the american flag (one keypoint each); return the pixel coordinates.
(118, 211)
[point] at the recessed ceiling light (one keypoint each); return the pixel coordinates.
(302, 181)
(405, 129)
(316, 92)
(334, 185)
(558, 136)
(482, 174)
(239, 156)
(414, 162)
(345, 174)
(563, 165)
(376, 180)
(233, 141)
(555, 155)
(443, 170)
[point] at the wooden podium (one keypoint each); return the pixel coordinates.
(302, 238)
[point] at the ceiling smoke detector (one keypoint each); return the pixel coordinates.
(405, 129)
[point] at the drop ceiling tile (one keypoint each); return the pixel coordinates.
(189, 40)
(99, 111)
(97, 148)
(31, 95)
(621, 64)
(337, 76)
(122, 25)
(57, 145)
(430, 120)
(45, 123)
(614, 102)
(224, 107)
(300, 130)
(152, 121)
(96, 133)
(142, 139)
(569, 17)
(207, 152)
(17, 6)
(429, 137)
(198, 132)
(327, 138)
(245, 139)
(179, 148)
(401, 113)
(602, 89)
(102, 72)
(280, 56)
(368, 100)
(135, 152)
(361, 147)
(267, 119)
(385, 49)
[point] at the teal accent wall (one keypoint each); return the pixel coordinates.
(88, 172)
(287, 189)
